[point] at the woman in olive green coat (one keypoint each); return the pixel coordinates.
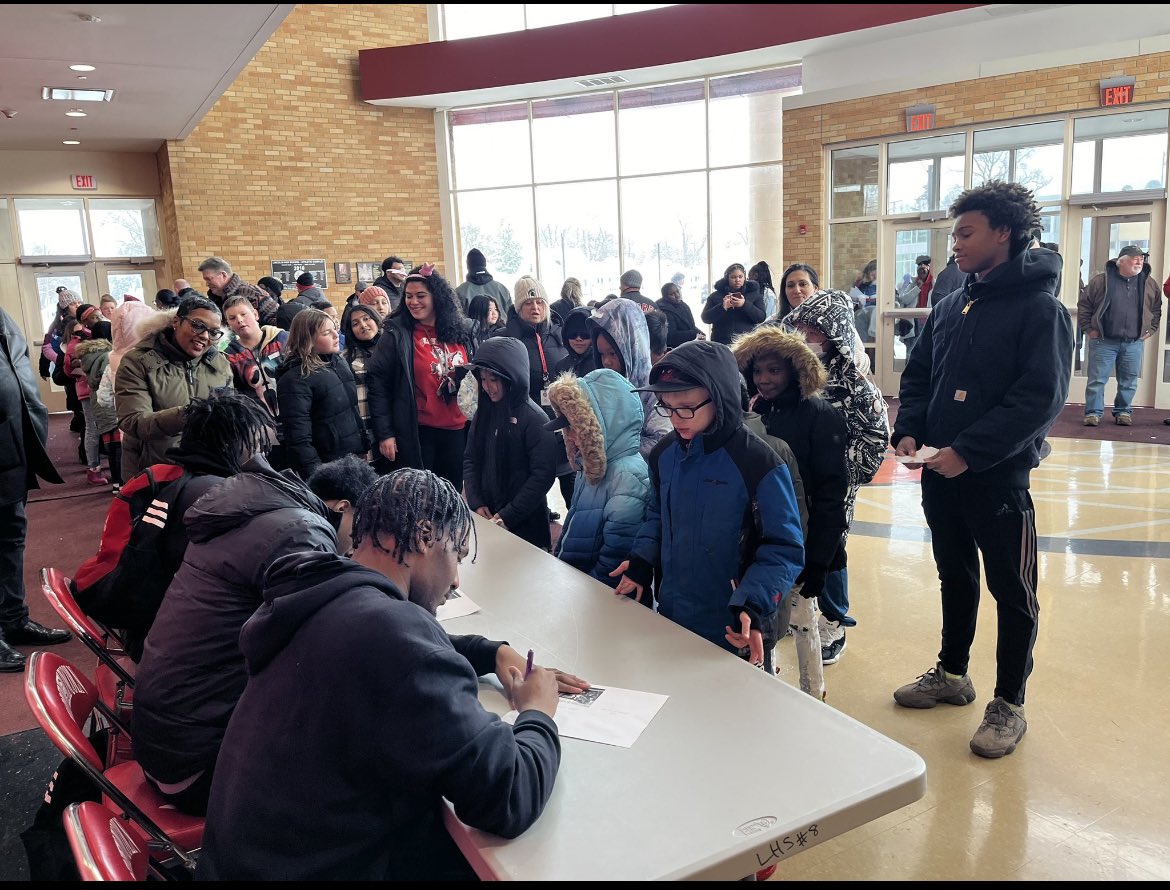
(157, 379)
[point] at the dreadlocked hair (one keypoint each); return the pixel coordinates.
(233, 425)
(1006, 205)
(417, 508)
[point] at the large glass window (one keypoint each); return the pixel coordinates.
(541, 15)
(620, 180)
(664, 229)
(478, 20)
(662, 129)
(746, 114)
(498, 223)
(1120, 152)
(481, 19)
(925, 174)
(1032, 155)
(490, 146)
(855, 182)
(747, 209)
(573, 138)
(577, 236)
(52, 227)
(124, 227)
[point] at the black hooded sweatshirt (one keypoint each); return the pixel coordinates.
(360, 715)
(991, 369)
(192, 671)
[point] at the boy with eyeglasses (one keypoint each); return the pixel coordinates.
(723, 521)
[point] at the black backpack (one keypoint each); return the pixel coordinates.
(123, 585)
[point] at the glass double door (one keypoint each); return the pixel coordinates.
(1096, 236)
(897, 318)
(1091, 237)
(38, 288)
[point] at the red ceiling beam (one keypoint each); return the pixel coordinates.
(647, 39)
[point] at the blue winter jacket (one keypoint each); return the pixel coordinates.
(613, 483)
(722, 508)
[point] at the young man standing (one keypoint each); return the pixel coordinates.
(986, 380)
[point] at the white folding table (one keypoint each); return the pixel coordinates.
(738, 769)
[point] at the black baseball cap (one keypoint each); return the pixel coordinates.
(1133, 250)
(670, 379)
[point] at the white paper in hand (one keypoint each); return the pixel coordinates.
(456, 605)
(922, 454)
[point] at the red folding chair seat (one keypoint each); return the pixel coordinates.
(64, 701)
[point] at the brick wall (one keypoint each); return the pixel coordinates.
(291, 164)
(809, 131)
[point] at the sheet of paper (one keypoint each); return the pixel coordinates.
(918, 457)
(456, 605)
(606, 714)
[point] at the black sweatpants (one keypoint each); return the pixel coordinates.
(967, 520)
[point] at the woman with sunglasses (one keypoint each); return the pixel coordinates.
(177, 360)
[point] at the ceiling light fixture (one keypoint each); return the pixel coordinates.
(75, 112)
(82, 68)
(65, 94)
(70, 142)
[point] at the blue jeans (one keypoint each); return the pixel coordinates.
(834, 599)
(1105, 356)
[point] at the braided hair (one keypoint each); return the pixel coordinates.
(230, 424)
(416, 507)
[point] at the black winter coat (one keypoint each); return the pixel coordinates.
(680, 322)
(511, 459)
(539, 375)
(727, 324)
(319, 413)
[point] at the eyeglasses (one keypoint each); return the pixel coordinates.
(683, 413)
(200, 328)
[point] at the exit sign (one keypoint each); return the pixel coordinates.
(84, 181)
(919, 118)
(1117, 91)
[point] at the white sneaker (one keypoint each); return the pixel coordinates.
(832, 640)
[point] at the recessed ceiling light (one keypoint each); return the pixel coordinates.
(82, 68)
(75, 112)
(70, 142)
(67, 95)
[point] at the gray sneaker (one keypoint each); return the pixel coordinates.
(1000, 732)
(933, 687)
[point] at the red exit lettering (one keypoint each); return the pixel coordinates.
(84, 181)
(1117, 95)
(921, 122)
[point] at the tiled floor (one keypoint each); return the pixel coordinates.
(1086, 796)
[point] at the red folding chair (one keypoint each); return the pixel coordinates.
(115, 671)
(64, 700)
(103, 847)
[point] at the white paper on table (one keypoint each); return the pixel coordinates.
(456, 605)
(918, 457)
(606, 714)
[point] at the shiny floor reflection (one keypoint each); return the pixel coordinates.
(1085, 796)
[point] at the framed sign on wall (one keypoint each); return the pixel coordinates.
(286, 271)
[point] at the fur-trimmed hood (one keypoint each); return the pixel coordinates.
(149, 325)
(88, 347)
(604, 413)
(772, 340)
